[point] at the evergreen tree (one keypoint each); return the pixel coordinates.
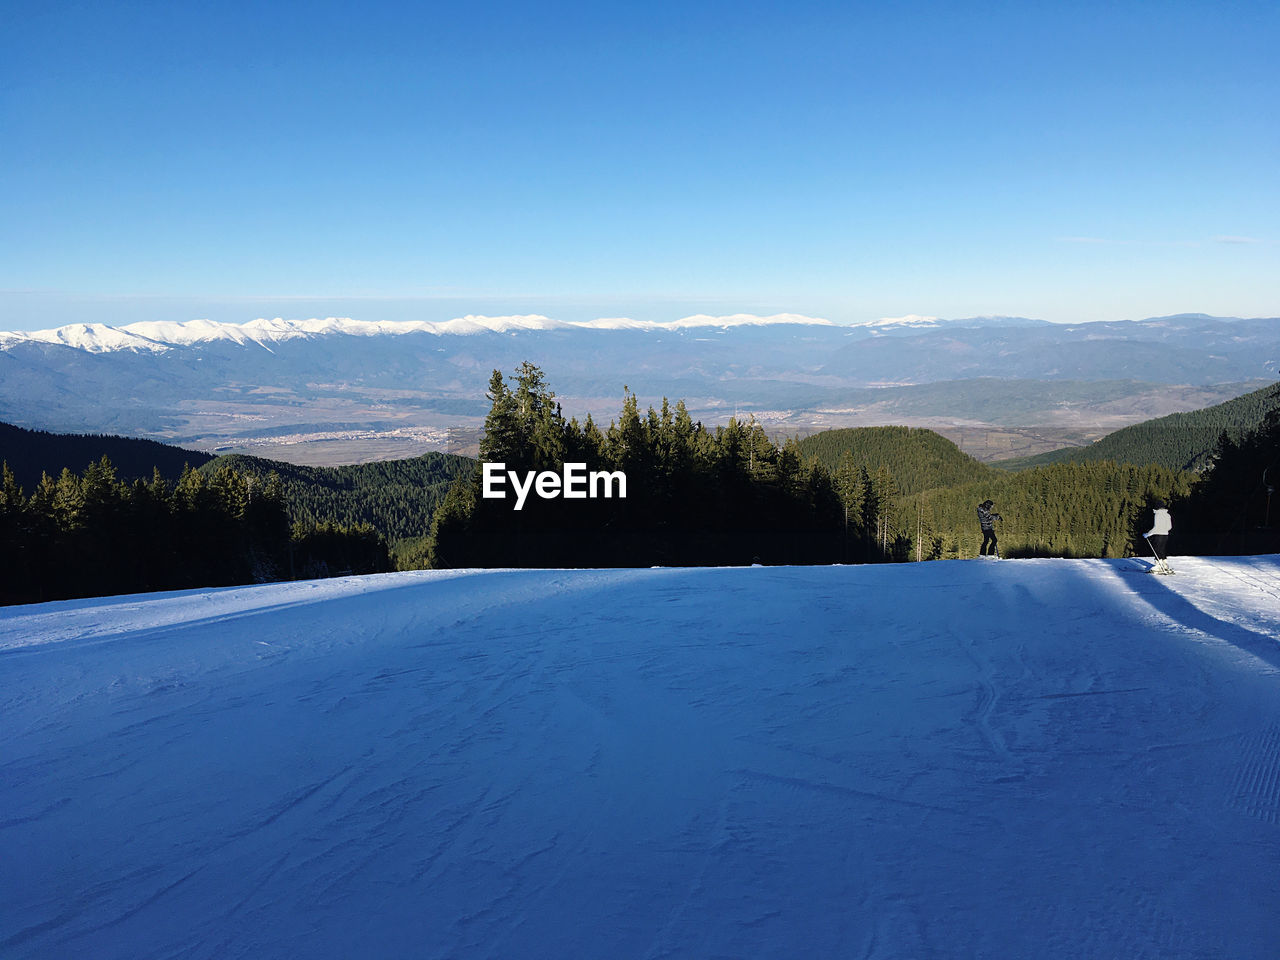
(501, 441)
(452, 540)
(694, 496)
(92, 534)
(14, 533)
(1231, 509)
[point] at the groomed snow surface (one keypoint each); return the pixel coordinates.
(1035, 759)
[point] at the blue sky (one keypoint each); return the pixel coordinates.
(852, 161)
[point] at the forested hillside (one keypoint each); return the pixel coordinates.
(730, 495)
(30, 453)
(693, 495)
(1062, 510)
(395, 497)
(1180, 441)
(917, 459)
(73, 523)
(92, 534)
(1230, 509)
(929, 491)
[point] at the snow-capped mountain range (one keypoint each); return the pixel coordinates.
(202, 380)
(158, 336)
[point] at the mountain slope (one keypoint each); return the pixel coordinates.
(397, 497)
(918, 459)
(30, 453)
(1180, 441)
(650, 762)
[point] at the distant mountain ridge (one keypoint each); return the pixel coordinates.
(219, 384)
(160, 335)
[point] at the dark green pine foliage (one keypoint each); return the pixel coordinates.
(19, 540)
(31, 453)
(859, 513)
(1064, 510)
(501, 441)
(1234, 508)
(92, 534)
(730, 495)
(1180, 441)
(917, 459)
(694, 495)
(333, 550)
(395, 497)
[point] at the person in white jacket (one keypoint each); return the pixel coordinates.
(1158, 535)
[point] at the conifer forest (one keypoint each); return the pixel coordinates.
(730, 495)
(696, 495)
(90, 534)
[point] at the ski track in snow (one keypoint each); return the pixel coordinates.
(1034, 758)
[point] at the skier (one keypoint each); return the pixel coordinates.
(1158, 535)
(987, 519)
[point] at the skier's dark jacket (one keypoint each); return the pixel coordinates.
(987, 518)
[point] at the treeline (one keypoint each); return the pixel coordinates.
(694, 495)
(395, 497)
(31, 453)
(917, 459)
(1064, 510)
(92, 534)
(1096, 508)
(1230, 509)
(730, 495)
(1179, 441)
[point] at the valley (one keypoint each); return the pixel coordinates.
(359, 428)
(343, 391)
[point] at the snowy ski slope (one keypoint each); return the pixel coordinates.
(1049, 759)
